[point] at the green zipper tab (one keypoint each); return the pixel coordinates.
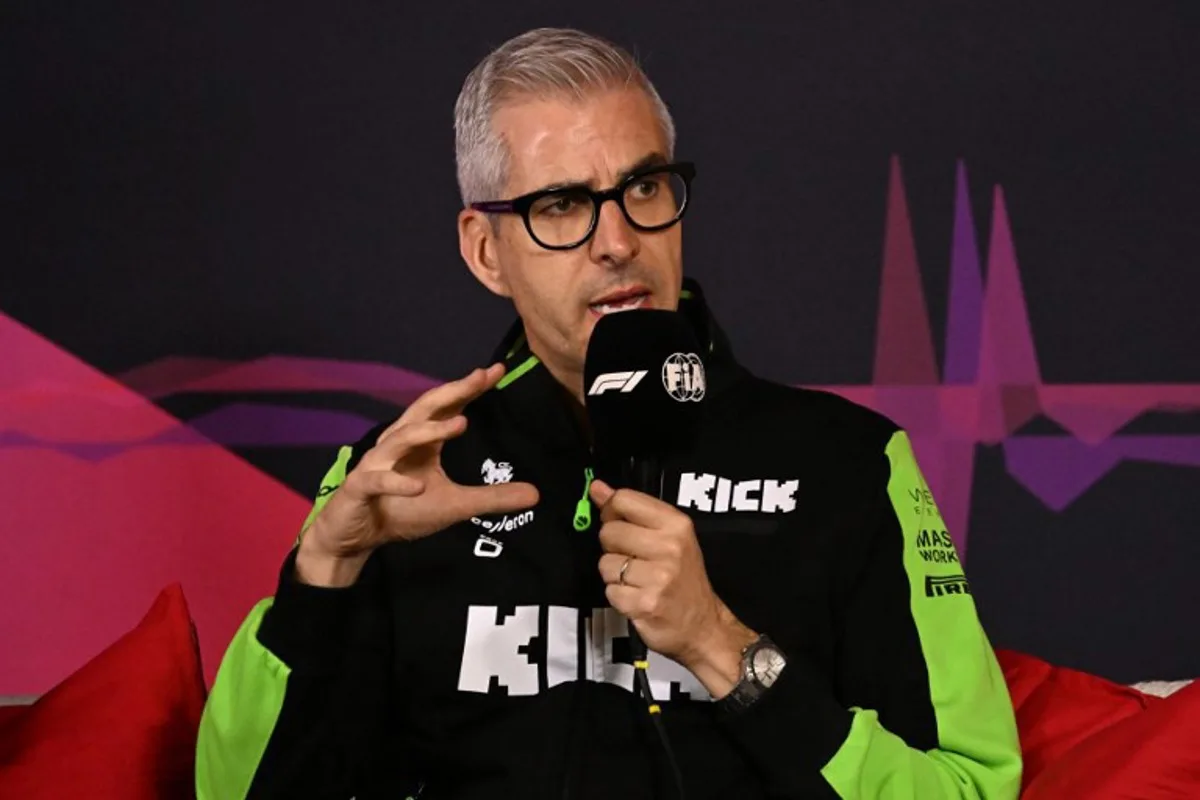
(583, 509)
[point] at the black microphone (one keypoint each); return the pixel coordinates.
(644, 382)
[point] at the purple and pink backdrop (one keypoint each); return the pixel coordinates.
(231, 249)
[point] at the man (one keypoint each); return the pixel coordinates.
(453, 619)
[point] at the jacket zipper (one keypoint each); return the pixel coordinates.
(583, 521)
(583, 509)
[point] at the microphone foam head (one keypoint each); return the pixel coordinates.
(643, 383)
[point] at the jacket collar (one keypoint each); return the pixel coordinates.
(543, 407)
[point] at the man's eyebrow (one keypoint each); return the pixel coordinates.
(650, 160)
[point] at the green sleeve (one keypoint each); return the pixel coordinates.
(300, 703)
(247, 696)
(240, 714)
(334, 478)
(976, 753)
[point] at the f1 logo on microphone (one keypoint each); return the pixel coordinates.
(616, 381)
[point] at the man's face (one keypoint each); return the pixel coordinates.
(560, 294)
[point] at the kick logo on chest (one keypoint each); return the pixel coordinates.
(714, 494)
(509, 655)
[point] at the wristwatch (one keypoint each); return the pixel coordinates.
(762, 662)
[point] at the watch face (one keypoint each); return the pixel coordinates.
(767, 663)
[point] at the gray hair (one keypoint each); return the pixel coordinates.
(544, 62)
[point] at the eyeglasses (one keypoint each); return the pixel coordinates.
(652, 199)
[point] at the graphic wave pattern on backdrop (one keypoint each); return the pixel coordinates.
(109, 497)
(990, 383)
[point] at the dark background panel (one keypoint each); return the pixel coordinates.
(1104, 586)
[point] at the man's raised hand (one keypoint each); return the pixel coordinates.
(399, 491)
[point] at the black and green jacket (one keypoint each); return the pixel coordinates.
(484, 662)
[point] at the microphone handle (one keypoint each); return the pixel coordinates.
(645, 474)
(642, 474)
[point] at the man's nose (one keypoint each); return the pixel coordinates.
(615, 241)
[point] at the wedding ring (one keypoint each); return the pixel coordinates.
(621, 574)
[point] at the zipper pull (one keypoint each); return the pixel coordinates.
(583, 509)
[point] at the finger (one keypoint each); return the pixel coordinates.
(628, 539)
(383, 482)
(407, 438)
(610, 567)
(601, 492)
(420, 410)
(500, 498)
(638, 508)
(639, 573)
(626, 600)
(450, 398)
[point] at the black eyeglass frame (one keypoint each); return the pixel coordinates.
(521, 205)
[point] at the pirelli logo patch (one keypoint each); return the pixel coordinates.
(940, 586)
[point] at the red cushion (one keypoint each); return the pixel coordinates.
(1150, 756)
(9, 714)
(124, 725)
(1057, 708)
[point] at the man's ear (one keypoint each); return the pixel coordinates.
(477, 245)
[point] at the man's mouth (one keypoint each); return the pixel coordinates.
(623, 300)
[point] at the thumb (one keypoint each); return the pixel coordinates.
(499, 498)
(601, 492)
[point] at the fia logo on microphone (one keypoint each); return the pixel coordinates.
(683, 377)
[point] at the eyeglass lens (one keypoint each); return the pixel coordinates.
(565, 218)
